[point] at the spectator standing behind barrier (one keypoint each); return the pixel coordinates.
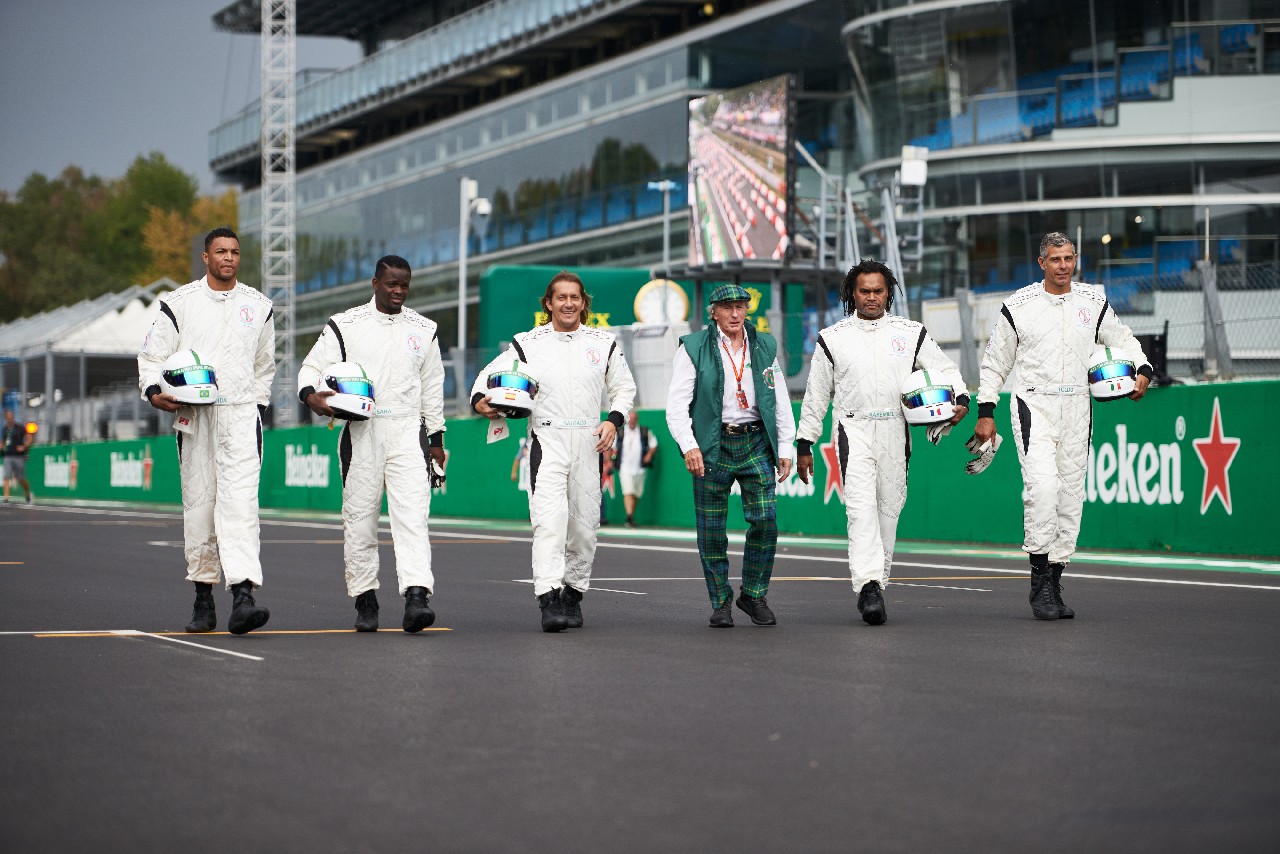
(15, 445)
(861, 363)
(1048, 332)
(399, 352)
(574, 366)
(219, 446)
(632, 456)
(729, 412)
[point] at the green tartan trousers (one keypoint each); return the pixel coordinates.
(746, 458)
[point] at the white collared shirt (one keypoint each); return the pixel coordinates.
(684, 377)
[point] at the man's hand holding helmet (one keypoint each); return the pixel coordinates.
(316, 402)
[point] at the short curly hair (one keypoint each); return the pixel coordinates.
(866, 265)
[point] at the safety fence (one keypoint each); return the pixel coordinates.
(1188, 469)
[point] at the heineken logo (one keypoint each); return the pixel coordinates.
(130, 469)
(305, 467)
(1124, 471)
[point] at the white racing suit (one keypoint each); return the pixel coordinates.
(1049, 340)
(219, 446)
(400, 354)
(860, 365)
(573, 370)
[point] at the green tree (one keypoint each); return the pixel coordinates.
(151, 183)
(76, 237)
(43, 229)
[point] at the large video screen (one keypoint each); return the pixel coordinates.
(742, 173)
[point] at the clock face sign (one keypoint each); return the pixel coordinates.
(661, 301)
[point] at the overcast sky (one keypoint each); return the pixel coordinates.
(95, 83)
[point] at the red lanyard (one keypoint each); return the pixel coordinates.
(737, 371)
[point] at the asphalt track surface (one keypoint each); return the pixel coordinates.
(1146, 724)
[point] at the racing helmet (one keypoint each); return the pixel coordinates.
(512, 391)
(352, 397)
(186, 376)
(1112, 374)
(925, 401)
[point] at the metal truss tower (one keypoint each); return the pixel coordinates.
(279, 112)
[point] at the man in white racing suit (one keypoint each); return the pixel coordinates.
(575, 365)
(1047, 332)
(230, 326)
(860, 364)
(400, 354)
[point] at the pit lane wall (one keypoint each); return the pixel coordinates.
(1188, 469)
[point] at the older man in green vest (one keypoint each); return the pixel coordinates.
(729, 412)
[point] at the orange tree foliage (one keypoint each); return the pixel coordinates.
(174, 239)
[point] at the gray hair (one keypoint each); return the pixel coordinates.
(1054, 238)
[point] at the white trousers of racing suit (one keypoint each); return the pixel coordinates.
(1053, 451)
(873, 464)
(390, 450)
(564, 503)
(220, 463)
(858, 368)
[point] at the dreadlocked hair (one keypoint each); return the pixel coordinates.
(866, 265)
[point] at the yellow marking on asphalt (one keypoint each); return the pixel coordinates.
(12, 562)
(258, 632)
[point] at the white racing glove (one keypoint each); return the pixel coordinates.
(983, 453)
(935, 432)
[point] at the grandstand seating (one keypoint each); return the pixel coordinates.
(1065, 97)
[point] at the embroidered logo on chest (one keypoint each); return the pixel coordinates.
(594, 357)
(247, 314)
(1084, 317)
(413, 345)
(897, 346)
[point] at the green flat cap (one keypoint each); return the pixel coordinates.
(728, 293)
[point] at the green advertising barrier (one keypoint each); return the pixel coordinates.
(1187, 469)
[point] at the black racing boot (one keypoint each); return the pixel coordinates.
(871, 604)
(571, 603)
(367, 611)
(552, 612)
(722, 617)
(1042, 602)
(245, 613)
(1056, 570)
(757, 609)
(417, 613)
(203, 617)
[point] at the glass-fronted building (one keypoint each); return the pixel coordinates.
(1120, 122)
(1136, 127)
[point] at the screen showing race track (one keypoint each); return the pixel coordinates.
(740, 143)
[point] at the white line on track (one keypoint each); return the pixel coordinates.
(893, 583)
(136, 633)
(594, 588)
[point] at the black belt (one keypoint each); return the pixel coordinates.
(737, 429)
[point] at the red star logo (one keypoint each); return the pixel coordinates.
(1216, 453)
(831, 457)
